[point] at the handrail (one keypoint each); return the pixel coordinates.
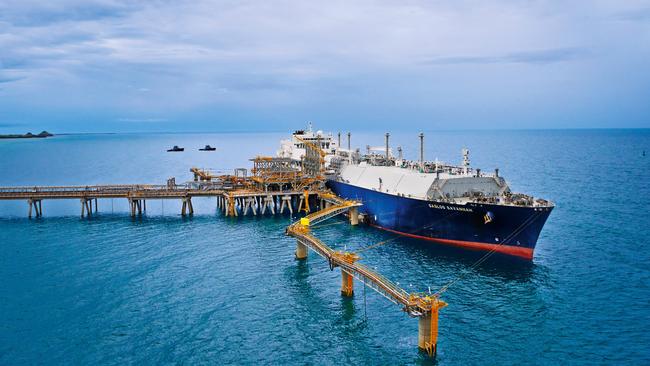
(115, 190)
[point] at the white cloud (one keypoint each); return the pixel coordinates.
(193, 54)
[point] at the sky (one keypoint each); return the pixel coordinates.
(112, 65)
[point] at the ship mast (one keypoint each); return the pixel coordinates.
(421, 151)
(349, 149)
(387, 157)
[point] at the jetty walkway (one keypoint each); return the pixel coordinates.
(425, 307)
(232, 201)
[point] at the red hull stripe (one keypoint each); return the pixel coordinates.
(526, 253)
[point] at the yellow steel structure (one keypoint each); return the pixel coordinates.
(313, 163)
(423, 306)
(305, 202)
(276, 174)
(203, 175)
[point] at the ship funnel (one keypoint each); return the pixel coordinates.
(387, 136)
(339, 141)
(421, 150)
(496, 172)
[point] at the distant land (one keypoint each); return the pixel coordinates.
(28, 135)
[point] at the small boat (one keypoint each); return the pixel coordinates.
(176, 149)
(208, 148)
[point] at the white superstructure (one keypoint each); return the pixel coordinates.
(380, 171)
(294, 148)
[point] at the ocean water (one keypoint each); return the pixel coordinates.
(163, 289)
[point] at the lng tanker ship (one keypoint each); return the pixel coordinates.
(430, 200)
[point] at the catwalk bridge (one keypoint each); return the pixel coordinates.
(423, 306)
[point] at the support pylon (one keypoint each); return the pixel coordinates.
(231, 210)
(428, 327)
(301, 250)
(283, 204)
(304, 202)
(271, 202)
(187, 207)
(347, 284)
(354, 216)
(89, 206)
(36, 205)
(347, 279)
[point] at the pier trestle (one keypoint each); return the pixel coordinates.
(87, 206)
(234, 196)
(37, 205)
(187, 207)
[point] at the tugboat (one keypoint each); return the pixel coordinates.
(208, 148)
(176, 149)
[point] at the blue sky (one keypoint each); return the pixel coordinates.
(110, 65)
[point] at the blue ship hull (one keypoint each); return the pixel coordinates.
(511, 230)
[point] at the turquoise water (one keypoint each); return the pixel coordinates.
(165, 289)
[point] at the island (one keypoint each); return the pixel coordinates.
(28, 135)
